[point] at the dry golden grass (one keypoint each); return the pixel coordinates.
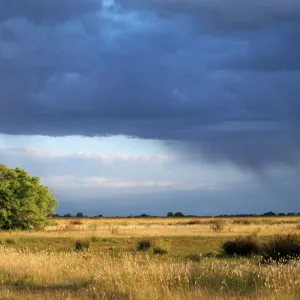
(130, 227)
(51, 274)
(47, 275)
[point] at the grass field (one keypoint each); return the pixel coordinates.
(44, 264)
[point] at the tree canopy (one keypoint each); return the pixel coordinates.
(24, 202)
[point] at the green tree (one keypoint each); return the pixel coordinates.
(80, 215)
(179, 214)
(269, 213)
(24, 202)
(170, 214)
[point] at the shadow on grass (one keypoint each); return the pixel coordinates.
(28, 282)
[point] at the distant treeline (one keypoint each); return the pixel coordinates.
(181, 215)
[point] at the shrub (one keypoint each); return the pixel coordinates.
(195, 257)
(178, 215)
(82, 245)
(242, 222)
(212, 254)
(96, 239)
(10, 241)
(75, 222)
(281, 248)
(160, 251)
(217, 225)
(144, 244)
(242, 246)
(193, 222)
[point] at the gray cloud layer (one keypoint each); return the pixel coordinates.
(221, 80)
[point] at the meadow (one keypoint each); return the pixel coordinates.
(85, 258)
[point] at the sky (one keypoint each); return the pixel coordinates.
(128, 107)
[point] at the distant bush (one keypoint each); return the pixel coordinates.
(195, 257)
(212, 254)
(159, 251)
(82, 245)
(242, 246)
(95, 239)
(75, 222)
(10, 241)
(178, 215)
(190, 222)
(269, 213)
(242, 222)
(281, 248)
(144, 244)
(193, 222)
(217, 225)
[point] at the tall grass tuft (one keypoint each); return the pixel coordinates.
(82, 245)
(217, 225)
(144, 244)
(281, 248)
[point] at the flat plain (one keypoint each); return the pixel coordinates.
(87, 258)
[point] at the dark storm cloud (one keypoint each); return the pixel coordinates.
(224, 15)
(154, 69)
(273, 49)
(46, 10)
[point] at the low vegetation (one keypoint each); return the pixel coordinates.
(144, 244)
(159, 251)
(153, 258)
(281, 248)
(82, 245)
(243, 246)
(217, 225)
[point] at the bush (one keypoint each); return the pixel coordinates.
(82, 245)
(242, 246)
(178, 215)
(144, 244)
(96, 239)
(10, 241)
(160, 251)
(242, 222)
(281, 248)
(67, 216)
(193, 257)
(193, 222)
(217, 225)
(213, 254)
(75, 222)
